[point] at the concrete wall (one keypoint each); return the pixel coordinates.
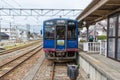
(90, 71)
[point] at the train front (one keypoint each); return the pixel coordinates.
(60, 39)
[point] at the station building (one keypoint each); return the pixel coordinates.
(98, 67)
(99, 10)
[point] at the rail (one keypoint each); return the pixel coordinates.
(53, 72)
(17, 61)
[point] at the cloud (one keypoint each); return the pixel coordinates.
(64, 4)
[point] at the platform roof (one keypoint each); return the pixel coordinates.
(98, 10)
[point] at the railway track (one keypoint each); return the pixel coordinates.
(59, 71)
(18, 48)
(8, 67)
(53, 71)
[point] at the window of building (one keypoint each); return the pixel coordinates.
(112, 36)
(118, 42)
(111, 47)
(119, 26)
(118, 50)
(112, 26)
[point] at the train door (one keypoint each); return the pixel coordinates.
(60, 37)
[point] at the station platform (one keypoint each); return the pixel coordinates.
(99, 67)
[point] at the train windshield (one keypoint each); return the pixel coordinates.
(71, 32)
(60, 32)
(49, 31)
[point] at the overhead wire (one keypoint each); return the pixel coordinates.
(7, 4)
(17, 3)
(14, 7)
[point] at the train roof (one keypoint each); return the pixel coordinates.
(60, 19)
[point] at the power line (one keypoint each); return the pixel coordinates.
(17, 3)
(7, 3)
(20, 7)
(13, 6)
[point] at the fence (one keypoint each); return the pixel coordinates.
(95, 47)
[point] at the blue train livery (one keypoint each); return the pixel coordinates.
(60, 39)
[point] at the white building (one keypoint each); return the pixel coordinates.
(16, 33)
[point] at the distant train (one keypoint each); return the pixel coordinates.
(60, 39)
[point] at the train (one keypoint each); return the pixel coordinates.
(60, 39)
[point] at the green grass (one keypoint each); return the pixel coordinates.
(13, 46)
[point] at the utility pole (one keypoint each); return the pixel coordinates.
(0, 20)
(33, 34)
(10, 32)
(28, 31)
(16, 33)
(95, 32)
(87, 27)
(0, 30)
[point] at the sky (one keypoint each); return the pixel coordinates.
(39, 4)
(65, 4)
